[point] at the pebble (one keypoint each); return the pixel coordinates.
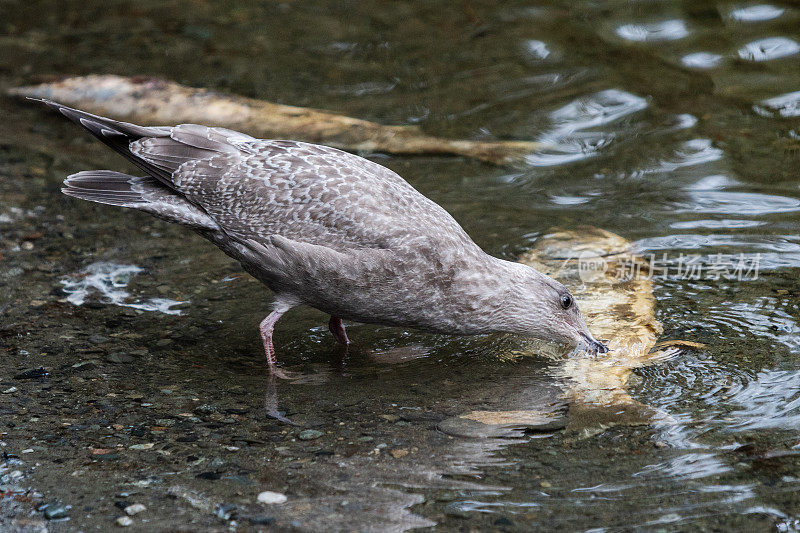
(54, 512)
(261, 520)
(119, 358)
(309, 434)
(398, 453)
(124, 521)
(145, 446)
(33, 373)
(205, 409)
(226, 511)
(270, 497)
(134, 509)
(10, 390)
(96, 338)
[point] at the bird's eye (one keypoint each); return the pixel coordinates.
(566, 301)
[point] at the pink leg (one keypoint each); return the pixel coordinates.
(266, 328)
(337, 328)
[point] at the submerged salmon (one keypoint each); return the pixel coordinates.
(615, 292)
(154, 101)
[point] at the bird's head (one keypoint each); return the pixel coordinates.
(544, 308)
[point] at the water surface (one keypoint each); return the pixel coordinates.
(671, 123)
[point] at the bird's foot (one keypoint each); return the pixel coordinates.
(280, 417)
(280, 373)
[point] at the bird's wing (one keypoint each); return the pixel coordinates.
(257, 188)
(302, 191)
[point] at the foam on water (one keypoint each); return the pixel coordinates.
(109, 281)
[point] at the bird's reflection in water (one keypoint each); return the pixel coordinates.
(337, 365)
(271, 401)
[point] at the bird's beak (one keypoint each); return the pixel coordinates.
(592, 345)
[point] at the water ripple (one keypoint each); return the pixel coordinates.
(566, 139)
(770, 48)
(668, 30)
(757, 13)
(701, 60)
(762, 318)
(752, 243)
(692, 152)
(771, 401)
(785, 105)
(717, 224)
(687, 466)
(536, 49)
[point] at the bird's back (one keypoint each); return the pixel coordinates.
(312, 194)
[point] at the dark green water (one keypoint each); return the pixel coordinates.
(674, 124)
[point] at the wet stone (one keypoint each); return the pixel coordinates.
(83, 366)
(226, 511)
(33, 373)
(124, 521)
(455, 510)
(120, 357)
(309, 434)
(205, 409)
(269, 497)
(97, 339)
(135, 509)
(261, 520)
(503, 522)
(55, 512)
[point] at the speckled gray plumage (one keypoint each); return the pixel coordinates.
(328, 229)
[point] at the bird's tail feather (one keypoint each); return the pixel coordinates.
(143, 193)
(107, 187)
(116, 135)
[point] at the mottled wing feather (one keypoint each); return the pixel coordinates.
(312, 194)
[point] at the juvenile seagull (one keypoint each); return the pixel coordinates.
(328, 229)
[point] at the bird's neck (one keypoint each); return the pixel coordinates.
(481, 295)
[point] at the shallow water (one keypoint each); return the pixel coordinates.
(673, 124)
